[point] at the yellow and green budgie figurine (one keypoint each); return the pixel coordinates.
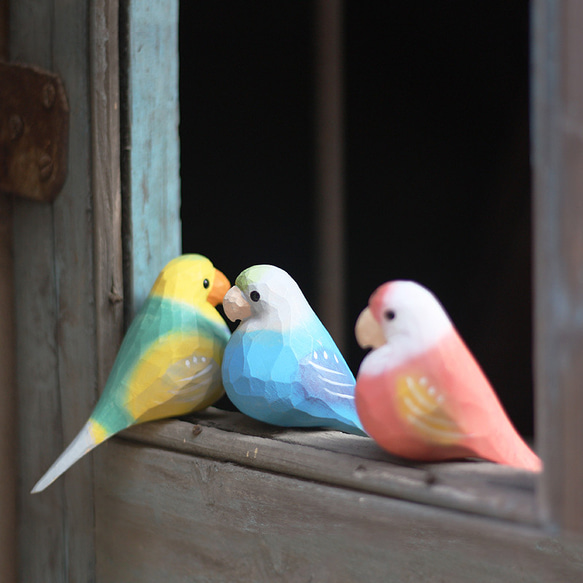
(169, 362)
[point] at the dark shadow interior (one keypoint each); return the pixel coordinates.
(437, 158)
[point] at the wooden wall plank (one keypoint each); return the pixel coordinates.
(106, 190)
(107, 212)
(73, 232)
(152, 172)
(58, 287)
(41, 529)
(173, 517)
(8, 433)
(558, 236)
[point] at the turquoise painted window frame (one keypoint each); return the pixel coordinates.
(150, 144)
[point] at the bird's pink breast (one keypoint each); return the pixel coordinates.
(469, 416)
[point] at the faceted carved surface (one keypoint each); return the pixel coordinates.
(420, 394)
(169, 361)
(281, 365)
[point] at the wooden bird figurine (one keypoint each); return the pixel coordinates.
(169, 362)
(281, 365)
(420, 393)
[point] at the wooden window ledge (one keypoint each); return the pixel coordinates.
(340, 459)
(238, 500)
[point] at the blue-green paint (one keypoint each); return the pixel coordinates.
(154, 236)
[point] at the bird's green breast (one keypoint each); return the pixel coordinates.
(158, 317)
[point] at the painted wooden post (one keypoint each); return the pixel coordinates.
(558, 234)
(151, 170)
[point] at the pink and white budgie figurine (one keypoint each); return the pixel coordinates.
(420, 394)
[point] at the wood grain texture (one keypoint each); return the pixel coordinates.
(106, 182)
(42, 530)
(152, 172)
(8, 434)
(558, 215)
(40, 433)
(74, 275)
(8, 412)
(355, 462)
(174, 517)
(58, 356)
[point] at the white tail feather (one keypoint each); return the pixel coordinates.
(81, 445)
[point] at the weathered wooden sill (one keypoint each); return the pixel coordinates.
(222, 498)
(352, 462)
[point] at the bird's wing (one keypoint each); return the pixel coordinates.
(178, 374)
(454, 404)
(424, 403)
(444, 394)
(328, 383)
(327, 372)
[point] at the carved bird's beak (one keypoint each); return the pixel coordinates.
(235, 305)
(220, 286)
(368, 332)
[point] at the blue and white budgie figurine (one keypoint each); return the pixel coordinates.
(281, 365)
(169, 363)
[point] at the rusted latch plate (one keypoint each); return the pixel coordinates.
(34, 131)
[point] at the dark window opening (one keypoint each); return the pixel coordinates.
(437, 175)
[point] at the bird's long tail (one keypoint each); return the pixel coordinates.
(524, 457)
(86, 440)
(512, 450)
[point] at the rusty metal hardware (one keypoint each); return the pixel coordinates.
(34, 132)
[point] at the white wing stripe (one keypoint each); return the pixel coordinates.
(330, 370)
(339, 395)
(200, 373)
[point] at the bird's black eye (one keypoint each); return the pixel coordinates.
(206, 283)
(390, 315)
(254, 295)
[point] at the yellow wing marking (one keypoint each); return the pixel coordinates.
(176, 376)
(422, 405)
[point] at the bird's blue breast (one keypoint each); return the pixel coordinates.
(259, 362)
(292, 379)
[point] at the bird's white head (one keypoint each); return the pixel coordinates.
(404, 315)
(266, 296)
